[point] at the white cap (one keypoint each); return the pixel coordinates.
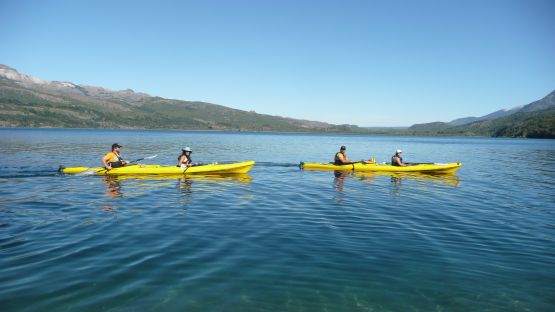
(399, 151)
(187, 149)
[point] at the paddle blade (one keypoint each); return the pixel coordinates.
(147, 157)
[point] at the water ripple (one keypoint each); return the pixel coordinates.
(278, 238)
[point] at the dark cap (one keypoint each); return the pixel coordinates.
(343, 148)
(116, 145)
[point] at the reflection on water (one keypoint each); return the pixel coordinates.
(133, 186)
(447, 179)
(184, 185)
(136, 184)
(113, 187)
(396, 178)
(339, 180)
(396, 181)
(217, 178)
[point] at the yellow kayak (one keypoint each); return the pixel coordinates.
(432, 167)
(239, 167)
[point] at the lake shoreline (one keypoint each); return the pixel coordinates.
(380, 133)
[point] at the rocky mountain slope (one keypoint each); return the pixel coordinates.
(27, 101)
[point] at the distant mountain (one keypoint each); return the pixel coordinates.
(545, 103)
(534, 124)
(385, 128)
(461, 121)
(27, 101)
(496, 114)
(432, 126)
(535, 120)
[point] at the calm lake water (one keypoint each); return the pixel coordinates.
(277, 239)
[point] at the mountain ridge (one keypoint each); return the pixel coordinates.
(547, 102)
(496, 114)
(534, 120)
(27, 101)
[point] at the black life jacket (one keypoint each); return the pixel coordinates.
(337, 159)
(393, 163)
(118, 163)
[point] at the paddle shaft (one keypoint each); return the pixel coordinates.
(133, 161)
(147, 157)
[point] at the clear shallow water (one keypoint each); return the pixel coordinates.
(277, 239)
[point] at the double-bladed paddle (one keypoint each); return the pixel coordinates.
(91, 171)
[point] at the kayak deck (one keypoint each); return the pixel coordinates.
(435, 167)
(233, 168)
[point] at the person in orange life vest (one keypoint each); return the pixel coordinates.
(341, 157)
(114, 159)
(184, 160)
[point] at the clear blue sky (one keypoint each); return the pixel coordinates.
(370, 63)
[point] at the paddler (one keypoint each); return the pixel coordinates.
(113, 159)
(184, 160)
(397, 160)
(341, 157)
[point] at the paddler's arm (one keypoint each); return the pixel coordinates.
(105, 163)
(398, 162)
(123, 162)
(345, 160)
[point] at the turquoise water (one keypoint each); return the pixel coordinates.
(277, 239)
